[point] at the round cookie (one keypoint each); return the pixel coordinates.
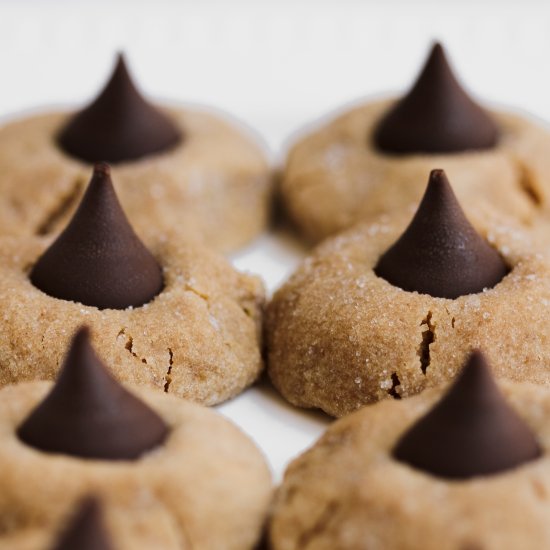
(340, 336)
(204, 485)
(213, 183)
(199, 337)
(354, 489)
(337, 175)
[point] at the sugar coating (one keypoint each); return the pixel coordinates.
(339, 337)
(335, 177)
(348, 492)
(200, 338)
(215, 185)
(207, 486)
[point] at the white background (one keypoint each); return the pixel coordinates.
(277, 66)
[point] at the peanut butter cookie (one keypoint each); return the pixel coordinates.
(372, 159)
(180, 170)
(386, 310)
(168, 473)
(448, 470)
(170, 315)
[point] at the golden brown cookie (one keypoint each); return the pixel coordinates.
(352, 490)
(167, 313)
(214, 183)
(337, 176)
(199, 338)
(207, 486)
(339, 336)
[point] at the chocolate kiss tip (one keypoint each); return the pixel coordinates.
(88, 414)
(102, 169)
(435, 116)
(471, 432)
(85, 530)
(119, 125)
(98, 260)
(440, 253)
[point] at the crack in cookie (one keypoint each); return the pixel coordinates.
(395, 383)
(168, 377)
(428, 338)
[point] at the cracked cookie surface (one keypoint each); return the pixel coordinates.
(215, 185)
(199, 338)
(339, 337)
(348, 492)
(207, 486)
(335, 176)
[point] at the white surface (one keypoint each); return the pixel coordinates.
(277, 65)
(281, 431)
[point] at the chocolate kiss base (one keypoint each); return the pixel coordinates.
(471, 432)
(119, 125)
(98, 260)
(435, 116)
(88, 414)
(440, 253)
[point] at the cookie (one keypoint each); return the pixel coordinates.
(168, 473)
(386, 310)
(462, 468)
(371, 160)
(177, 169)
(168, 314)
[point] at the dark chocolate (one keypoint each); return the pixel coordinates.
(88, 414)
(435, 116)
(119, 125)
(86, 530)
(98, 260)
(440, 253)
(471, 432)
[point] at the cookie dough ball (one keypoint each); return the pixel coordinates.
(372, 160)
(177, 169)
(385, 310)
(461, 469)
(169, 474)
(168, 314)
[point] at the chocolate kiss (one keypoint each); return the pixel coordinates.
(436, 116)
(440, 253)
(119, 125)
(471, 432)
(86, 530)
(98, 260)
(88, 414)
